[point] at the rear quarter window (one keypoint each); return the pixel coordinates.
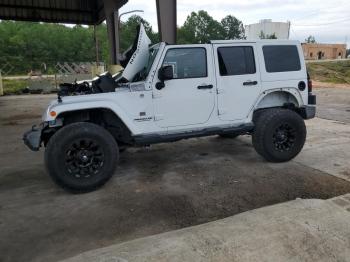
(281, 58)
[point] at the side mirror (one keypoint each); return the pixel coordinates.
(166, 73)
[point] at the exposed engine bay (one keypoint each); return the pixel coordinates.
(102, 84)
(134, 60)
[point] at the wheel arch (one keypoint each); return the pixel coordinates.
(69, 108)
(279, 98)
(101, 116)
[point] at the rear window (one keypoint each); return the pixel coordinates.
(281, 58)
(236, 60)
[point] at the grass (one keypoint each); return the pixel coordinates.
(14, 87)
(337, 72)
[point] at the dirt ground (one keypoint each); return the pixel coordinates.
(154, 190)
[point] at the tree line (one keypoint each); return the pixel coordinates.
(29, 46)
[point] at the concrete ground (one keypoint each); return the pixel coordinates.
(300, 230)
(334, 104)
(166, 187)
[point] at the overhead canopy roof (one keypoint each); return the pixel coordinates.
(87, 12)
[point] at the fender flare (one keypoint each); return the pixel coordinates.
(294, 92)
(95, 104)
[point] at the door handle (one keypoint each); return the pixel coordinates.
(250, 83)
(205, 87)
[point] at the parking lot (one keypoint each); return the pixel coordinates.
(158, 189)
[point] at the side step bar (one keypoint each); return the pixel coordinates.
(158, 138)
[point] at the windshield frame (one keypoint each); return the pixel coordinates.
(152, 57)
(143, 74)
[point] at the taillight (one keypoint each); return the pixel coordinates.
(309, 83)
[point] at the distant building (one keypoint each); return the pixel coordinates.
(268, 28)
(315, 51)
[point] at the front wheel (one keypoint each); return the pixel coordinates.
(279, 134)
(81, 157)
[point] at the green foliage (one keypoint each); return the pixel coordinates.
(14, 87)
(233, 28)
(201, 28)
(333, 72)
(32, 46)
(128, 31)
(263, 36)
(26, 46)
(310, 40)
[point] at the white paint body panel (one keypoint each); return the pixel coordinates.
(181, 107)
(180, 102)
(139, 57)
(234, 99)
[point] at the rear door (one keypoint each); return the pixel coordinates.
(238, 79)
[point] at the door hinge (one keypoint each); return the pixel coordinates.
(156, 95)
(158, 117)
(221, 111)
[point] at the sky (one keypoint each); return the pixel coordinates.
(328, 21)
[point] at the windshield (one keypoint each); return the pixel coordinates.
(142, 75)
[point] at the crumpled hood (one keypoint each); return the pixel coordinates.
(136, 57)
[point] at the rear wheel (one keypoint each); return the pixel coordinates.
(279, 134)
(81, 157)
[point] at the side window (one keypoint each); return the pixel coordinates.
(187, 62)
(237, 60)
(281, 58)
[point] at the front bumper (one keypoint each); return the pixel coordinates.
(32, 138)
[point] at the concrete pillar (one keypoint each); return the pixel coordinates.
(111, 10)
(166, 12)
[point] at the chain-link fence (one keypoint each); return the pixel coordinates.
(39, 82)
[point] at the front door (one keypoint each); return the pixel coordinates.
(238, 80)
(189, 98)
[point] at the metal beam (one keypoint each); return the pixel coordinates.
(45, 8)
(111, 12)
(89, 12)
(166, 12)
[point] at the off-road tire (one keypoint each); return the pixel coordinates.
(268, 139)
(68, 149)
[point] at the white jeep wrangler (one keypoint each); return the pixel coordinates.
(172, 92)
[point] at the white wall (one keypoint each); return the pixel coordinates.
(281, 29)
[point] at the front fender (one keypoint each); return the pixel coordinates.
(70, 104)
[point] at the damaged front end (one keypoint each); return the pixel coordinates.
(41, 133)
(134, 60)
(32, 138)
